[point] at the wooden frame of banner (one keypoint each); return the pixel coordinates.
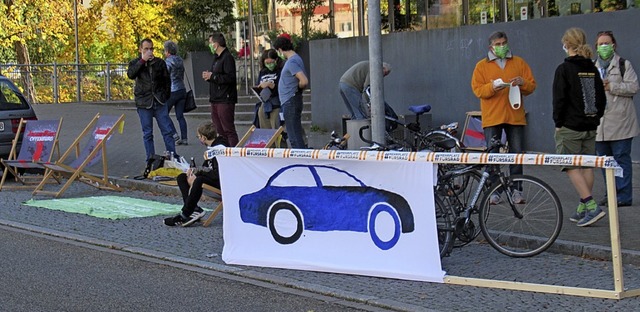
(616, 258)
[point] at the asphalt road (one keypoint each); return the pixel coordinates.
(52, 274)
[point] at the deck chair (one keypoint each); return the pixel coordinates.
(254, 138)
(97, 134)
(39, 144)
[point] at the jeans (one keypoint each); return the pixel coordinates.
(177, 100)
(352, 97)
(161, 114)
(292, 111)
(222, 116)
(191, 194)
(621, 152)
(515, 136)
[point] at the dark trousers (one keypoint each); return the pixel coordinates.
(222, 116)
(191, 195)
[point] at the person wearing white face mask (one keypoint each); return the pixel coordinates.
(190, 183)
(619, 124)
(578, 104)
(492, 79)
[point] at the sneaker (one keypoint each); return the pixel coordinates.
(592, 217)
(182, 142)
(494, 199)
(605, 202)
(580, 213)
(173, 221)
(517, 197)
(176, 137)
(195, 216)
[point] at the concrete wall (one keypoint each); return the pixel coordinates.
(435, 67)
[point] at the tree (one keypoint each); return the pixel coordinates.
(306, 10)
(196, 19)
(25, 21)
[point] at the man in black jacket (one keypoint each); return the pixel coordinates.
(152, 89)
(223, 94)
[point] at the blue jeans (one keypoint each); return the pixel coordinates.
(621, 152)
(292, 111)
(352, 97)
(176, 100)
(161, 114)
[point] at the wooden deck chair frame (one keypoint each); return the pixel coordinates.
(248, 138)
(79, 174)
(14, 161)
(251, 139)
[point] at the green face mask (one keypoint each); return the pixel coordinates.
(212, 49)
(501, 51)
(270, 66)
(605, 51)
(281, 55)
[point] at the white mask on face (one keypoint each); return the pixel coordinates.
(564, 47)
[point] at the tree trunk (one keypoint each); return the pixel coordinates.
(22, 55)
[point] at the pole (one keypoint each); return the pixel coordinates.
(75, 17)
(375, 72)
(251, 42)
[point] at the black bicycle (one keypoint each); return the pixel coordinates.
(518, 215)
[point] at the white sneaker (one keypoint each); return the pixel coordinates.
(494, 199)
(195, 216)
(517, 197)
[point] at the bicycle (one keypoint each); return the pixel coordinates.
(518, 230)
(444, 217)
(336, 142)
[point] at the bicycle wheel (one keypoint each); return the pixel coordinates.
(525, 229)
(444, 222)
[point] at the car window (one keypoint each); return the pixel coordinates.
(333, 177)
(294, 176)
(9, 97)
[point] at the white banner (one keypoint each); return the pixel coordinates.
(372, 218)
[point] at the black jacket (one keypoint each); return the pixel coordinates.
(578, 95)
(222, 84)
(152, 81)
(210, 166)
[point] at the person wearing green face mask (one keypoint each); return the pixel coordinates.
(223, 94)
(492, 79)
(268, 113)
(619, 124)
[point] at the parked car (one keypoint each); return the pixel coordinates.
(115, 71)
(13, 106)
(324, 199)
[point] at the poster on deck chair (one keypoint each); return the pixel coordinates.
(373, 218)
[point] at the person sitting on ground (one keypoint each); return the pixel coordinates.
(190, 183)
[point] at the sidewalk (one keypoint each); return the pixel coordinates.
(202, 246)
(126, 160)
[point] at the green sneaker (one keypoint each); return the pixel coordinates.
(581, 211)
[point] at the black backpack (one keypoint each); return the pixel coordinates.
(623, 66)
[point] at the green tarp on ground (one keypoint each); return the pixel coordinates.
(108, 207)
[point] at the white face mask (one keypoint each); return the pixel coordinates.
(564, 47)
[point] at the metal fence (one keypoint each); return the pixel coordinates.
(68, 83)
(65, 83)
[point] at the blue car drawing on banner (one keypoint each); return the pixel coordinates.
(325, 198)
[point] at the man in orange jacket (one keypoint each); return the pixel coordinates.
(494, 77)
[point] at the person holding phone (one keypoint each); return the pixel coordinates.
(151, 91)
(190, 183)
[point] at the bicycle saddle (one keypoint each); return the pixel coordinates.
(420, 109)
